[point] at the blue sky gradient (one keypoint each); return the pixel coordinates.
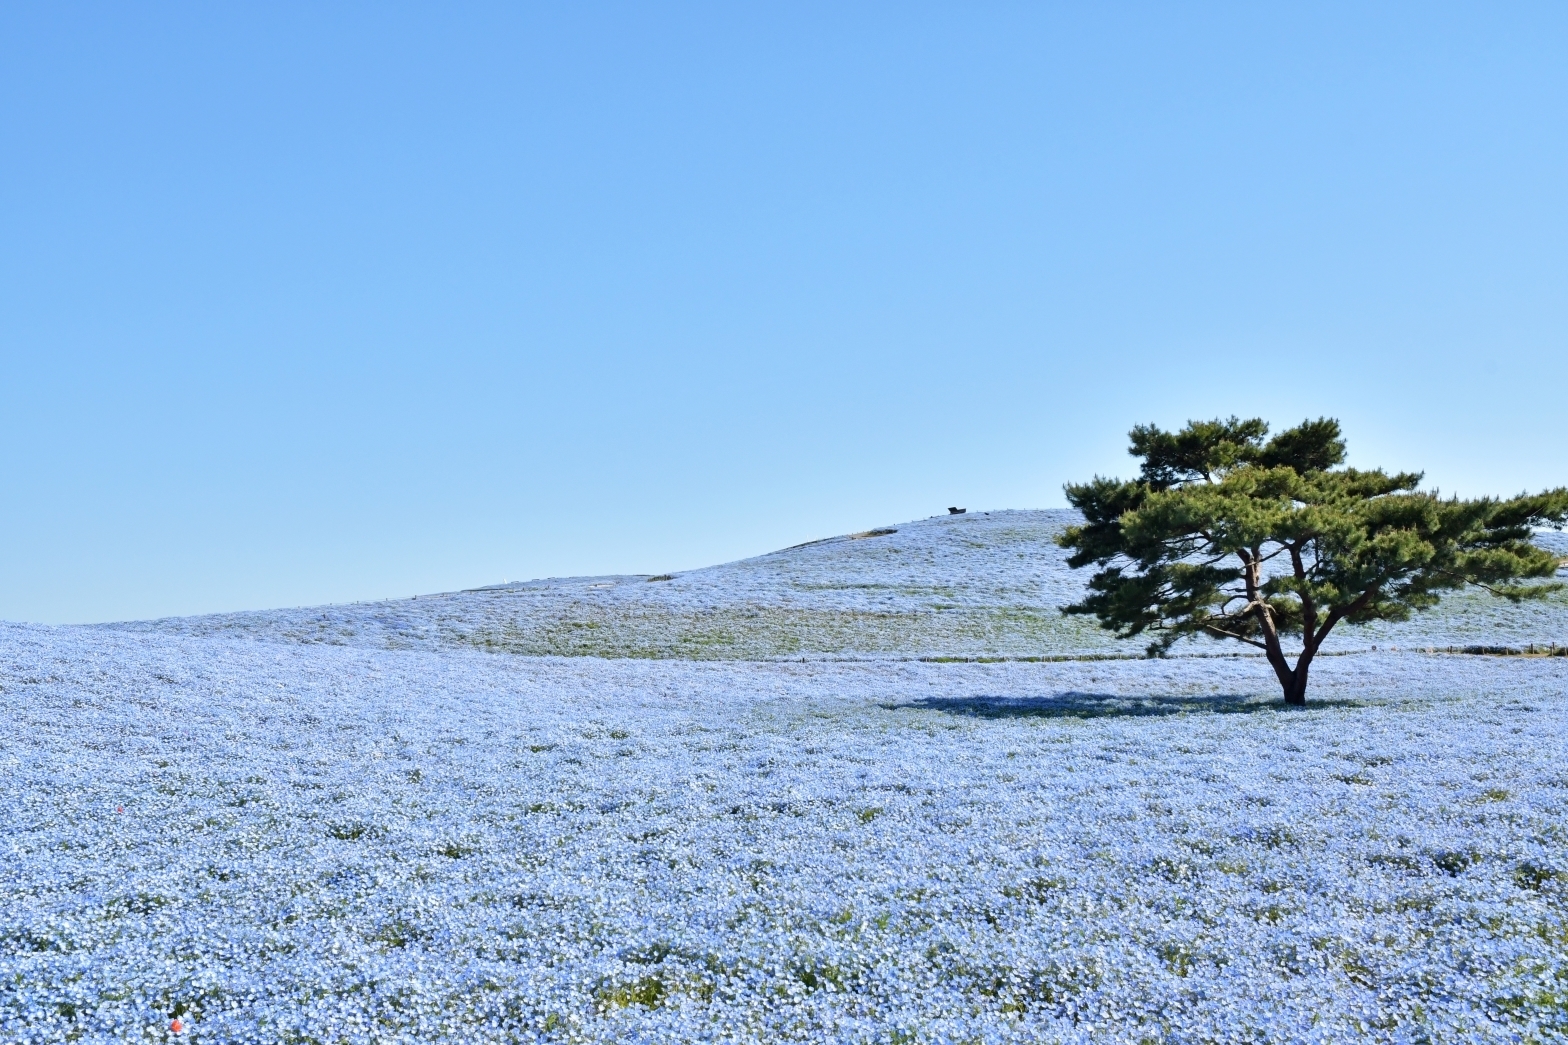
(305, 303)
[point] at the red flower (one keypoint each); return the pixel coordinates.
(176, 1026)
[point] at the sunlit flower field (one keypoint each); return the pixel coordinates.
(261, 841)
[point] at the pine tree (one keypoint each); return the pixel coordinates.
(1232, 535)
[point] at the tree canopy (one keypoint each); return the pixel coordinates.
(1230, 534)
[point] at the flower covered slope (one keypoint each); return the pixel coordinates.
(311, 843)
(981, 584)
(356, 824)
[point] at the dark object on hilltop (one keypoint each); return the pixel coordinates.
(957, 511)
(1187, 548)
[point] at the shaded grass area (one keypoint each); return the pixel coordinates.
(767, 632)
(1113, 705)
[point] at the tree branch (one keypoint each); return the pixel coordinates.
(1266, 619)
(1337, 615)
(1478, 584)
(1309, 610)
(1232, 635)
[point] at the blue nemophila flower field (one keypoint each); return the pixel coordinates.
(345, 844)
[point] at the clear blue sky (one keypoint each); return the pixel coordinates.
(317, 303)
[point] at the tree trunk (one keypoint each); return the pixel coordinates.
(1295, 686)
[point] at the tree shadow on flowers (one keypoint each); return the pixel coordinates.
(1074, 704)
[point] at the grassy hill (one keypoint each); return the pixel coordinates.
(975, 585)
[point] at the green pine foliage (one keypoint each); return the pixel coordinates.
(1269, 541)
